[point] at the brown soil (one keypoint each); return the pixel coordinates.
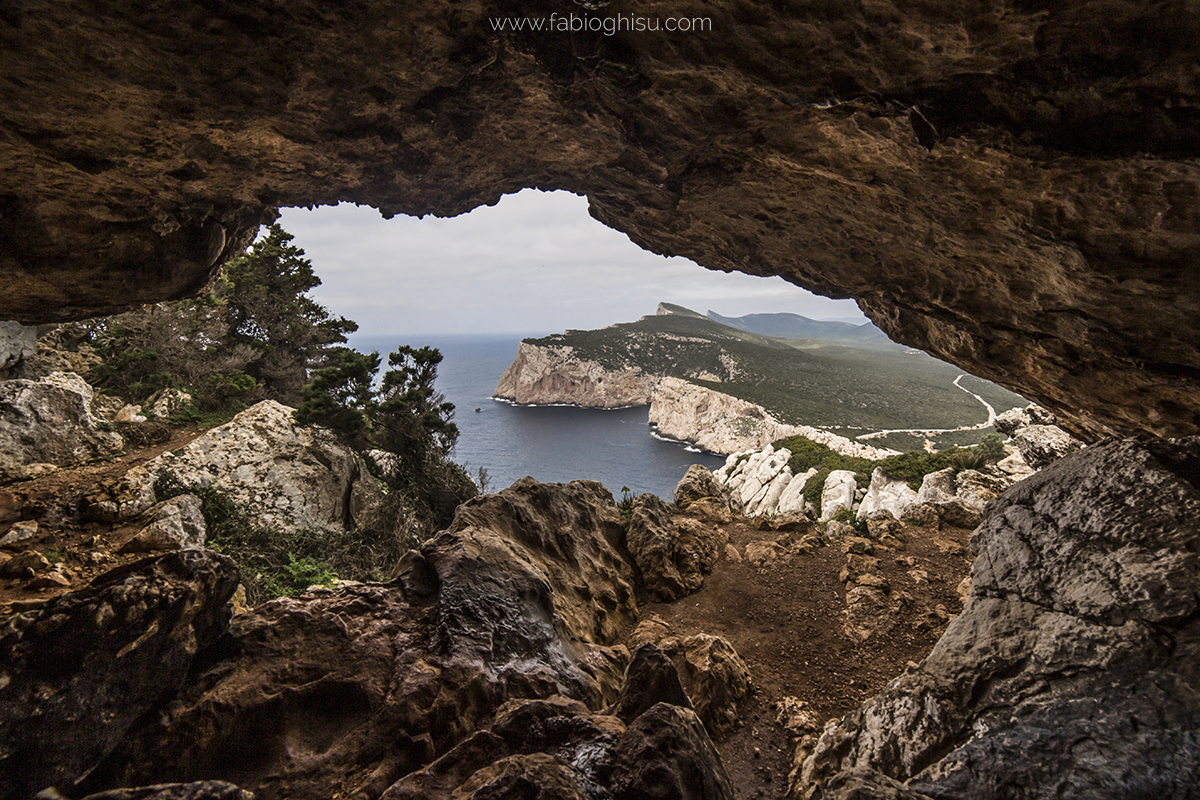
(83, 549)
(785, 619)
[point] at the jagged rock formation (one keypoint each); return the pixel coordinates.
(48, 423)
(672, 555)
(495, 656)
(1071, 670)
(1041, 238)
(92, 662)
(720, 423)
(542, 375)
(288, 476)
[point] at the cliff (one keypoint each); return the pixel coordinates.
(723, 424)
(549, 375)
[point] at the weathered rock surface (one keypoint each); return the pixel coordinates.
(286, 475)
(721, 423)
(697, 483)
(673, 555)
(542, 375)
(48, 423)
(1041, 445)
(1071, 672)
(200, 790)
(838, 493)
(525, 596)
(716, 679)
(17, 343)
(1037, 231)
(77, 674)
(173, 524)
(886, 494)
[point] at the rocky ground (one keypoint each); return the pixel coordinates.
(77, 549)
(822, 624)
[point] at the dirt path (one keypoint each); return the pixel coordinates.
(991, 420)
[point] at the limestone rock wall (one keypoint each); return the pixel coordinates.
(542, 375)
(724, 424)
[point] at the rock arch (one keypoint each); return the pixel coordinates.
(1043, 232)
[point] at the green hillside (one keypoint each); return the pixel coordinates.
(802, 381)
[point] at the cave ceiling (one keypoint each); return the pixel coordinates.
(1011, 186)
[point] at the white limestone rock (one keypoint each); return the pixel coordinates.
(791, 501)
(173, 524)
(720, 423)
(554, 375)
(49, 422)
(886, 494)
(20, 532)
(838, 493)
(937, 487)
(1042, 445)
(288, 476)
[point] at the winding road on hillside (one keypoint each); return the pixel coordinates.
(991, 419)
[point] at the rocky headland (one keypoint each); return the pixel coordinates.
(555, 375)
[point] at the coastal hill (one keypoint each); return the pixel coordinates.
(852, 390)
(795, 326)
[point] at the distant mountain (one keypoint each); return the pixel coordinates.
(794, 326)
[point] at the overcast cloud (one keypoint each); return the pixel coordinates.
(533, 263)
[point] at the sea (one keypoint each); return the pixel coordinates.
(550, 443)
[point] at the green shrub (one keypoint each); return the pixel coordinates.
(277, 562)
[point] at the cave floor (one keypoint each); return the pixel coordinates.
(785, 617)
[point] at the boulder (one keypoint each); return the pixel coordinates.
(716, 679)
(697, 484)
(1015, 419)
(1042, 445)
(791, 500)
(25, 565)
(129, 414)
(838, 493)
(166, 402)
(651, 679)
(1070, 672)
(170, 525)
(17, 343)
(938, 487)
(886, 494)
(19, 532)
(557, 748)
(672, 555)
(347, 690)
(49, 422)
(94, 661)
(286, 475)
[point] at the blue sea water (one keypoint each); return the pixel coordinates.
(550, 443)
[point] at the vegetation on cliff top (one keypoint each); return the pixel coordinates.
(800, 381)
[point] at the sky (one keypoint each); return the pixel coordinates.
(534, 263)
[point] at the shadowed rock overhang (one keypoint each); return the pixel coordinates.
(1011, 186)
